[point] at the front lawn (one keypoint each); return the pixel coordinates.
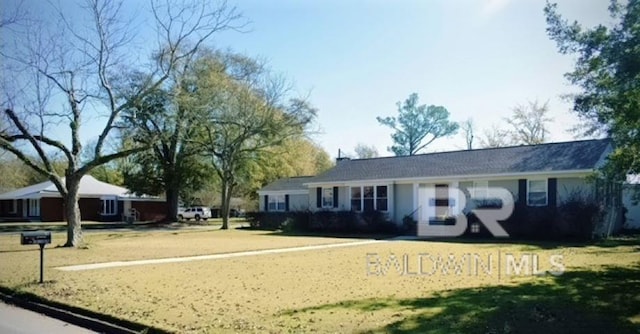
(373, 288)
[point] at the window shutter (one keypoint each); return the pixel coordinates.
(335, 197)
(319, 197)
(286, 202)
(266, 202)
(552, 190)
(522, 191)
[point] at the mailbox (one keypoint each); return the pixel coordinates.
(35, 238)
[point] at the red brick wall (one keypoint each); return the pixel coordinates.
(51, 209)
(150, 211)
(90, 208)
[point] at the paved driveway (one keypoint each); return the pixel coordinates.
(15, 320)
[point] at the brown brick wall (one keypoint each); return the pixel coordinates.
(51, 209)
(150, 211)
(90, 208)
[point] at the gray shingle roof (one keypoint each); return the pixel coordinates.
(576, 155)
(290, 183)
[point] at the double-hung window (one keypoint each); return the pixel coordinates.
(537, 193)
(34, 207)
(327, 197)
(369, 198)
(109, 206)
(276, 203)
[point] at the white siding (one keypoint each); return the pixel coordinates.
(261, 203)
(633, 211)
(298, 202)
(511, 185)
(570, 185)
(403, 201)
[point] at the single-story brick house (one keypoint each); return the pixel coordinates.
(536, 175)
(99, 201)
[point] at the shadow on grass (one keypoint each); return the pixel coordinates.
(376, 236)
(576, 302)
(628, 240)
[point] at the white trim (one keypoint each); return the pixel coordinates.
(546, 191)
(33, 210)
(282, 192)
(105, 209)
(276, 202)
(327, 206)
(450, 178)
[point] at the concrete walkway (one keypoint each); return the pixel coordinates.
(213, 256)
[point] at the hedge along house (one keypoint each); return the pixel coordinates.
(99, 201)
(536, 175)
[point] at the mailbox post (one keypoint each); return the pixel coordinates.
(40, 238)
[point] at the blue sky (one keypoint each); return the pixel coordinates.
(356, 59)
(478, 58)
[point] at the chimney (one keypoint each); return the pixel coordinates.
(340, 158)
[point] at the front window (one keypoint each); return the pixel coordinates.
(327, 197)
(34, 207)
(356, 198)
(381, 198)
(109, 206)
(369, 198)
(537, 193)
(276, 203)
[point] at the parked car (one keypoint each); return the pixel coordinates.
(195, 212)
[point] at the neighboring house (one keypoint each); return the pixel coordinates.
(99, 201)
(289, 194)
(536, 175)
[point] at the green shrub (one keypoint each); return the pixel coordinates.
(578, 215)
(409, 225)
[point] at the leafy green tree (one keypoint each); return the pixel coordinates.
(245, 117)
(607, 70)
(417, 126)
(173, 166)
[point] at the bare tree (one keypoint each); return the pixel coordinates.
(364, 151)
(467, 130)
(529, 123)
(68, 70)
(495, 137)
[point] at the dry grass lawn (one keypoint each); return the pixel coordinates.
(336, 290)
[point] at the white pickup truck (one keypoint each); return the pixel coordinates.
(195, 212)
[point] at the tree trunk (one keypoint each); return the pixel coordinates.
(72, 212)
(224, 205)
(172, 204)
